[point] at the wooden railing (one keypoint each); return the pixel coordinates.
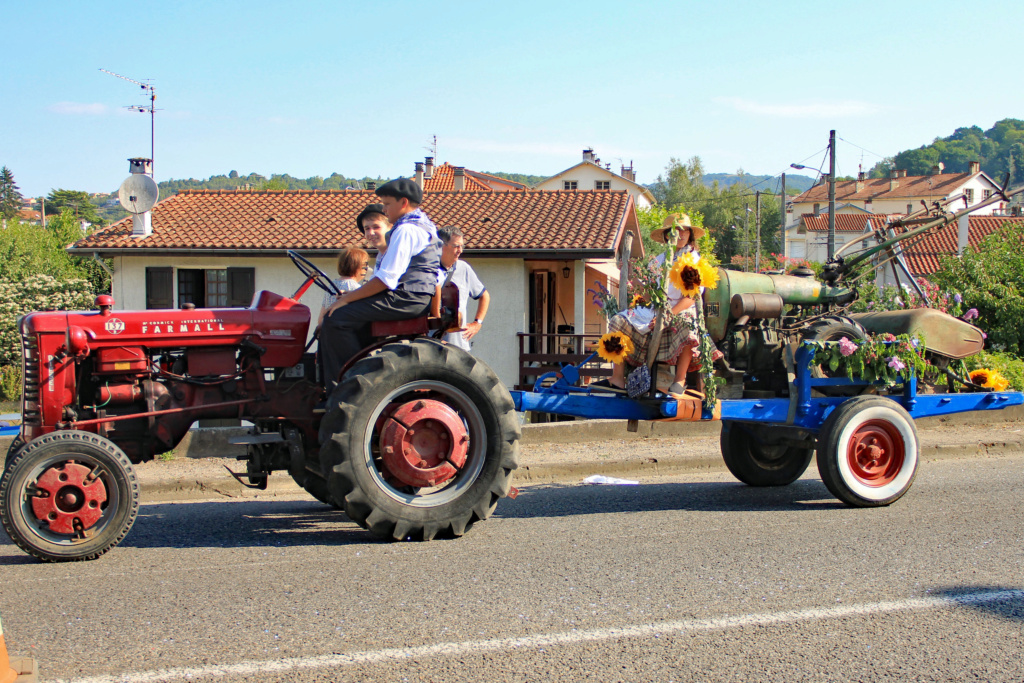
(552, 351)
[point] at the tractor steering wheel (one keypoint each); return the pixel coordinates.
(313, 275)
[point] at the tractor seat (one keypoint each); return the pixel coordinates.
(444, 315)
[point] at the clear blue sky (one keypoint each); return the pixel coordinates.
(360, 87)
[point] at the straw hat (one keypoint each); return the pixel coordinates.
(680, 221)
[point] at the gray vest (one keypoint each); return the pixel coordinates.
(421, 275)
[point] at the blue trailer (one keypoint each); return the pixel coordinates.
(867, 446)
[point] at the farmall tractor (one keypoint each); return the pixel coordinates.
(418, 440)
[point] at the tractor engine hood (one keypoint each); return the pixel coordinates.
(942, 333)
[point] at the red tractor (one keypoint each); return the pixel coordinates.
(419, 438)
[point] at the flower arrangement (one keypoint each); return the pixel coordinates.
(884, 358)
(614, 347)
(604, 300)
(990, 379)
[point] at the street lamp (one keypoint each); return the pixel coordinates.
(831, 177)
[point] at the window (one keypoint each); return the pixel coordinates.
(986, 194)
(817, 209)
(970, 195)
(569, 185)
(210, 288)
(910, 209)
(602, 184)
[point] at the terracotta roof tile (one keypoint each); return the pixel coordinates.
(443, 180)
(878, 188)
(924, 257)
(245, 219)
(845, 222)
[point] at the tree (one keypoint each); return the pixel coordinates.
(76, 201)
(10, 197)
(233, 175)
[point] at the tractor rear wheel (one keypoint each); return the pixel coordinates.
(833, 329)
(68, 496)
(419, 439)
(753, 458)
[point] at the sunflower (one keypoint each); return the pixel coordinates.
(638, 300)
(689, 273)
(990, 379)
(614, 347)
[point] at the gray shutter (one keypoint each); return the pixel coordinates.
(241, 286)
(160, 287)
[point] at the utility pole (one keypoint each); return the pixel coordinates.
(757, 229)
(782, 227)
(746, 236)
(831, 194)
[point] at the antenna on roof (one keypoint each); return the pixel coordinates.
(151, 108)
(432, 147)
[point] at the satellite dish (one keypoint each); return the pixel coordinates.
(138, 193)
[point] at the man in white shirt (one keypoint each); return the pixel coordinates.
(402, 285)
(465, 278)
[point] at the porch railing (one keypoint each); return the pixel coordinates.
(554, 350)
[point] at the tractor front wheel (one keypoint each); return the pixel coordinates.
(68, 496)
(757, 459)
(419, 439)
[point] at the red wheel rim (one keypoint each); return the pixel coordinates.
(423, 443)
(69, 497)
(876, 453)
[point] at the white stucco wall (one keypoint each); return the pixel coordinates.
(586, 177)
(496, 344)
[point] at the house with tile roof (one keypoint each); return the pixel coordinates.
(590, 174)
(808, 237)
(897, 194)
(448, 178)
(924, 257)
(537, 253)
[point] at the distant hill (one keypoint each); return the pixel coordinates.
(1000, 149)
(765, 183)
(524, 178)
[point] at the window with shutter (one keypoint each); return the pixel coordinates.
(160, 287)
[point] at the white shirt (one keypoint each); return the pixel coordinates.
(407, 240)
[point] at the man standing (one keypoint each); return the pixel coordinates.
(465, 278)
(402, 285)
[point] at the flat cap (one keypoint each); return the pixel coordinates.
(402, 187)
(369, 211)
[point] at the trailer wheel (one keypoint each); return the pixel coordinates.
(833, 329)
(752, 458)
(419, 439)
(68, 496)
(868, 451)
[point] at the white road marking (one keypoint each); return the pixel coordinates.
(545, 640)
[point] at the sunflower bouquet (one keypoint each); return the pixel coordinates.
(990, 379)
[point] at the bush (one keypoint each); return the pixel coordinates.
(1007, 365)
(991, 280)
(10, 383)
(35, 293)
(891, 298)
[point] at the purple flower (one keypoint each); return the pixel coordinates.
(871, 304)
(957, 298)
(846, 347)
(896, 364)
(914, 342)
(899, 302)
(971, 314)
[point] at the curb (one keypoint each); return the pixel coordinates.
(169, 490)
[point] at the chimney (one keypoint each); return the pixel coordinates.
(588, 154)
(860, 181)
(627, 172)
(974, 167)
(371, 185)
(937, 168)
(460, 178)
(428, 170)
(419, 173)
(902, 173)
(961, 234)
(142, 223)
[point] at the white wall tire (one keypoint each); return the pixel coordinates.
(868, 452)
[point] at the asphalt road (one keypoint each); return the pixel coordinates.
(690, 578)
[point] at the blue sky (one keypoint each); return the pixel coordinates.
(360, 87)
